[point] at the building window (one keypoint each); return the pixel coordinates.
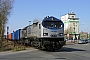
(72, 16)
(73, 24)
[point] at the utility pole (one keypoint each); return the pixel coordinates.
(7, 33)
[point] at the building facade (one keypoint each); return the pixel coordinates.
(84, 35)
(71, 25)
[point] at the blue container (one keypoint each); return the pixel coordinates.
(16, 35)
(13, 38)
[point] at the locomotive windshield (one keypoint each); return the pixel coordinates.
(52, 24)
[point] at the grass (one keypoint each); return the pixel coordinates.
(10, 46)
(18, 48)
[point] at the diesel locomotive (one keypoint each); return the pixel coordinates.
(45, 34)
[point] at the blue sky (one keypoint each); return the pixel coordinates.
(28, 10)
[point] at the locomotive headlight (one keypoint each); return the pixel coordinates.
(60, 34)
(45, 34)
(61, 25)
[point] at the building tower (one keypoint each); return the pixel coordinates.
(71, 25)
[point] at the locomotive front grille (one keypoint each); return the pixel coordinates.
(52, 35)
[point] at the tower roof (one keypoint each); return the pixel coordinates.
(72, 13)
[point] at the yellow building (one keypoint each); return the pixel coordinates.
(84, 35)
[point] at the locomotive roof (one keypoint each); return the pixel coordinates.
(26, 27)
(51, 18)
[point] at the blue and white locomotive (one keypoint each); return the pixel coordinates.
(46, 34)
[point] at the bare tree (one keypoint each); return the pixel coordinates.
(5, 10)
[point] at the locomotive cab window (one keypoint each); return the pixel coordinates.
(52, 24)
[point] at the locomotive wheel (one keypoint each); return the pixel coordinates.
(61, 47)
(53, 50)
(40, 46)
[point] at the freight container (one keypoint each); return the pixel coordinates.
(13, 37)
(16, 35)
(9, 36)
